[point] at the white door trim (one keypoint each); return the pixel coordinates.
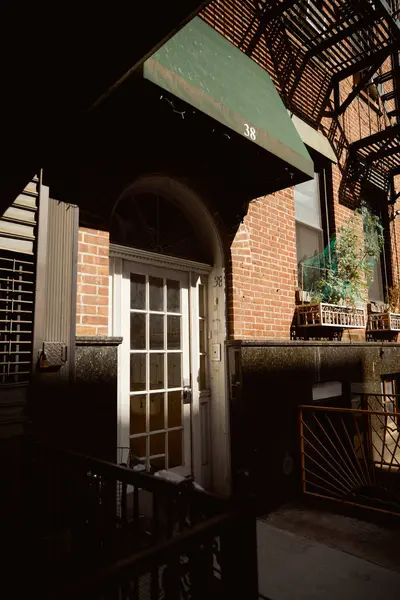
(120, 284)
(197, 435)
(194, 206)
(158, 260)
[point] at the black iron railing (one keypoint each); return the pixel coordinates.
(124, 534)
(208, 561)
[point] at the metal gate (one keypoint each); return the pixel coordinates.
(351, 456)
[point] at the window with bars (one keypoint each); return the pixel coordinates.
(16, 317)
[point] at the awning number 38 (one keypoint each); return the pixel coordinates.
(249, 132)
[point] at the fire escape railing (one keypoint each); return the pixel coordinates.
(394, 7)
(310, 47)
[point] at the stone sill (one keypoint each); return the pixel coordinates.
(99, 340)
(288, 343)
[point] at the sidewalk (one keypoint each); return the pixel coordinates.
(293, 567)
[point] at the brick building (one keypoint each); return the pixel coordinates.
(185, 266)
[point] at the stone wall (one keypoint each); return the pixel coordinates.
(277, 377)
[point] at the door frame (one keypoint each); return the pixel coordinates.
(120, 256)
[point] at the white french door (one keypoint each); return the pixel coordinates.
(157, 382)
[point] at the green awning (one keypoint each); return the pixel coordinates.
(205, 70)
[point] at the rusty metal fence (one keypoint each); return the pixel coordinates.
(351, 456)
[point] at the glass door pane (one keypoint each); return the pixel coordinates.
(159, 367)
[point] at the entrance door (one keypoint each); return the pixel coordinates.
(157, 369)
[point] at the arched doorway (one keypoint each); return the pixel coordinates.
(168, 304)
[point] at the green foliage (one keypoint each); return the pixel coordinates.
(351, 261)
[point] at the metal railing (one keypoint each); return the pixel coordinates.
(203, 562)
(384, 321)
(394, 6)
(351, 456)
(387, 402)
(98, 526)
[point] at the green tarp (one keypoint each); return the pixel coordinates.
(205, 70)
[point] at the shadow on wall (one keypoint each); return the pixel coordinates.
(274, 380)
(81, 415)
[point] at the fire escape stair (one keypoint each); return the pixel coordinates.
(309, 47)
(381, 151)
(343, 39)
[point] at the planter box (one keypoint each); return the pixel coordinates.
(330, 315)
(384, 321)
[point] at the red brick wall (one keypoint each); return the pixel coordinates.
(395, 237)
(92, 295)
(261, 293)
(262, 282)
(263, 270)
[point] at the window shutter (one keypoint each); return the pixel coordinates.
(56, 286)
(18, 230)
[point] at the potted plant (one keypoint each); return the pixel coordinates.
(385, 317)
(339, 293)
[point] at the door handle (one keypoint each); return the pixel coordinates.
(187, 395)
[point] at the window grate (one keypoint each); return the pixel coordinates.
(16, 317)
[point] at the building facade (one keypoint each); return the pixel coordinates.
(188, 261)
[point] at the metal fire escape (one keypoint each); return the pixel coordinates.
(310, 47)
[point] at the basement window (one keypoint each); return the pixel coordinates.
(326, 392)
(390, 387)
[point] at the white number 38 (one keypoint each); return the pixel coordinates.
(250, 132)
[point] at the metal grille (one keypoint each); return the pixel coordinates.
(16, 316)
(351, 455)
